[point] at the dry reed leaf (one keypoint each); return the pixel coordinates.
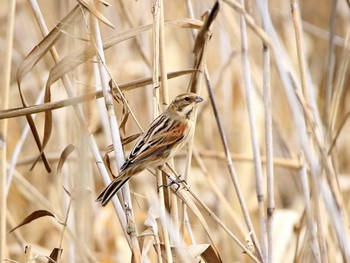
(105, 3)
(206, 251)
(44, 46)
(179, 254)
(38, 143)
(185, 23)
(29, 62)
(64, 155)
(190, 254)
(76, 194)
(130, 138)
(67, 192)
(200, 47)
(35, 215)
(92, 9)
(184, 196)
(78, 57)
(125, 117)
(109, 148)
(50, 42)
(201, 37)
(107, 162)
(55, 255)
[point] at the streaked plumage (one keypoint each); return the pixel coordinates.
(168, 133)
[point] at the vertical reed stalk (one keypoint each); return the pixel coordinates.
(114, 129)
(4, 104)
(267, 230)
(159, 66)
(305, 89)
(254, 136)
(269, 160)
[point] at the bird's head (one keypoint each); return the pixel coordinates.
(184, 104)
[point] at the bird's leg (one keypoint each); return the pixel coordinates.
(176, 181)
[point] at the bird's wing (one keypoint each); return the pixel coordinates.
(163, 134)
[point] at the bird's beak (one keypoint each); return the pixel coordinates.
(198, 99)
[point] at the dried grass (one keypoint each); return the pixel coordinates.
(267, 174)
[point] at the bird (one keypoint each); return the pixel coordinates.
(165, 136)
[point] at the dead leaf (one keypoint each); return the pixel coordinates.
(67, 192)
(64, 155)
(107, 163)
(125, 117)
(78, 57)
(29, 62)
(206, 251)
(109, 148)
(179, 254)
(105, 3)
(130, 138)
(92, 9)
(185, 197)
(200, 47)
(41, 49)
(55, 255)
(35, 215)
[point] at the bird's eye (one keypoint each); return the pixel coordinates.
(187, 99)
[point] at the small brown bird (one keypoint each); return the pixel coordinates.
(167, 134)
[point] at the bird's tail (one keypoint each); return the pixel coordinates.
(107, 194)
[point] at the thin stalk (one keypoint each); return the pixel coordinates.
(254, 138)
(300, 48)
(251, 22)
(231, 168)
(113, 124)
(191, 15)
(164, 91)
(114, 129)
(22, 111)
(337, 221)
(184, 216)
(195, 85)
(306, 97)
(330, 64)
(137, 41)
(285, 163)
(339, 88)
(164, 94)
(308, 211)
(277, 161)
(227, 206)
(269, 148)
(156, 10)
(320, 228)
(269, 159)
(19, 146)
(4, 102)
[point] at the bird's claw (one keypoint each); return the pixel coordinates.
(176, 181)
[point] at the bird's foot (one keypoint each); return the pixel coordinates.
(173, 181)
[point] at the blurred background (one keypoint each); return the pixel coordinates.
(93, 232)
